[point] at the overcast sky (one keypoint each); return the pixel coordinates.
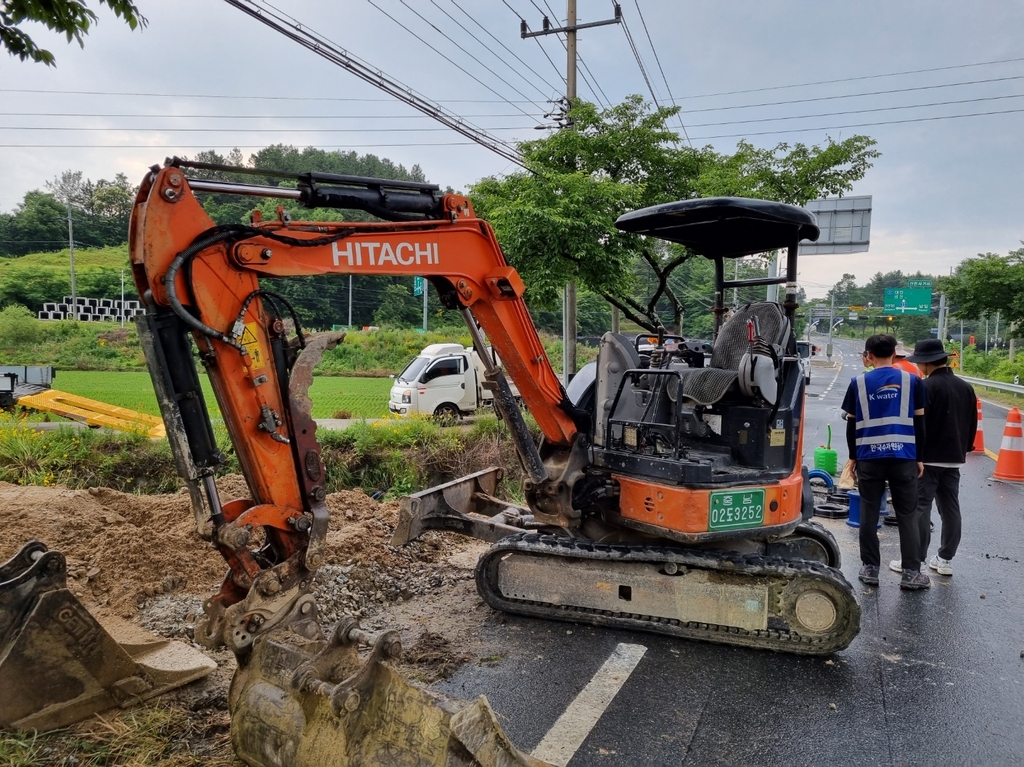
(943, 190)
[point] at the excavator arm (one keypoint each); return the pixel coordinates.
(194, 275)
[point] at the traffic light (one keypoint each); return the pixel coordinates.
(890, 319)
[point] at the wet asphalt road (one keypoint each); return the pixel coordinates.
(934, 678)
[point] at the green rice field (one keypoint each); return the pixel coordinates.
(362, 397)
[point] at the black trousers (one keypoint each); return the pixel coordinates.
(902, 477)
(942, 485)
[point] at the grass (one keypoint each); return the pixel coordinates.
(147, 736)
(84, 458)
(388, 458)
(362, 397)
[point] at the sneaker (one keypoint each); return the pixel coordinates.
(940, 565)
(896, 565)
(868, 574)
(912, 581)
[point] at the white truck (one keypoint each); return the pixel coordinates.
(444, 380)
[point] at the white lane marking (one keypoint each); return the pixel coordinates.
(834, 378)
(568, 733)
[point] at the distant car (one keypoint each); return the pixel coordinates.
(806, 351)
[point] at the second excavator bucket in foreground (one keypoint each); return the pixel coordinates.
(59, 665)
(299, 700)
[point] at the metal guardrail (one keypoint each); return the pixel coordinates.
(998, 385)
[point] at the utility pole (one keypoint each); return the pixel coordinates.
(942, 317)
(350, 302)
(71, 246)
(570, 29)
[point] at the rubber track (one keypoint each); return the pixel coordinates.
(847, 627)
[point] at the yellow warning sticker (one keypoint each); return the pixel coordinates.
(251, 341)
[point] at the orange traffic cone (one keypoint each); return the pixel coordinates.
(1010, 463)
(979, 438)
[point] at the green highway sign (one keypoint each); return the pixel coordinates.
(417, 286)
(908, 300)
(919, 284)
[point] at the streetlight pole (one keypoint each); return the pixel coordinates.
(831, 325)
(71, 247)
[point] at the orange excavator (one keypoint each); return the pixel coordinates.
(666, 494)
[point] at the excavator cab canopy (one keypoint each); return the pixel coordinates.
(724, 227)
(730, 227)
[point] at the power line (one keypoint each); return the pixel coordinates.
(491, 50)
(443, 55)
(241, 130)
(233, 146)
(639, 61)
(660, 68)
(531, 69)
(304, 36)
(856, 95)
(449, 39)
(236, 117)
(222, 96)
(853, 79)
(537, 40)
(861, 111)
(863, 125)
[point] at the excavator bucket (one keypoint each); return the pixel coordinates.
(59, 665)
(300, 700)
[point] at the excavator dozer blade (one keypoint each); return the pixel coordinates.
(59, 665)
(465, 505)
(300, 700)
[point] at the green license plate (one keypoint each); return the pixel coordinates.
(736, 509)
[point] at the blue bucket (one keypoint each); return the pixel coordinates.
(854, 519)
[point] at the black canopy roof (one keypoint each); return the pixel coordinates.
(724, 227)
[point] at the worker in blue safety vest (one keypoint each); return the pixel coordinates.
(884, 409)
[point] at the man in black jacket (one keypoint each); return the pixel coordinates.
(951, 422)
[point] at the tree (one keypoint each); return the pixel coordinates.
(556, 221)
(70, 17)
(398, 308)
(38, 223)
(988, 284)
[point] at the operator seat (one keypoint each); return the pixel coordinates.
(706, 386)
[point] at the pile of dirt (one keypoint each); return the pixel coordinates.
(140, 557)
(129, 552)
(119, 547)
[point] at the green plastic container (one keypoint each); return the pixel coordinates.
(825, 458)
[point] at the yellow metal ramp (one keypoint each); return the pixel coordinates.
(94, 413)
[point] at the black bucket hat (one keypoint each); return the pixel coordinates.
(929, 350)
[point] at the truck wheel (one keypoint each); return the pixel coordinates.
(447, 414)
